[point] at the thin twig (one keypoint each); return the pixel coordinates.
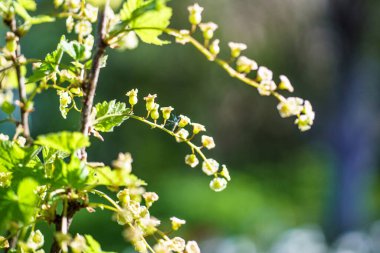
(89, 87)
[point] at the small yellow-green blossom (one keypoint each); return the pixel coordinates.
(91, 12)
(21, 141)
(306, 120)
(79, 244)
(124, 196)
(214, 47)
(6, 95)
(123, 162)
(195, 14)
(3, 242)
(83, 28)
(208, 142)
(89, 42)
(266, 87)
(264, 74)
(150, 198)
(132, 94)
(285, 84)
(210, 166)
(11, 42)
(72, 5)
(5, 179)
(150, 101)
(290, 106)
(197, 128)
(35, 240)
(183, 37)
(192, 247)
(225, 173)
(182, 135)
(236, 48)
(245, 65)
(208, 29)
(70, 24)
(178, 244)
(64, 101)
(218, 184)
(154, 114)
(184, 121)
(177, 223)
(4, 137)
(166, 111)
(191, 160)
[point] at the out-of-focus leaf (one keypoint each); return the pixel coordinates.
(65, 141)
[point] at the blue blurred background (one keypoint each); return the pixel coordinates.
(290, 192)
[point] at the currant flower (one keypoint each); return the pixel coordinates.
(166, 111)
(5, 179)
(78, 244)
(150, 198)
(150, 102)
(225, 173)
(184, 121)
(290, 106)
(177, 223)
(91, 12)
(195, 14)
(285, 84)
(132, 94)
(123, 162)
(154, 114)
(214, 47)
(72, 5)
(236, 48)
(178, 244)
(4, 137)
(83, 28)
(208, 142)
(245, 65)
(70, 24)
(129, 41)
(264, 74)
(208, 29)
(197, 128)
(183, 37)
(21, 141)
(192, 247)
(35, 240)
(218, 184)
(191, 160)
(266, 87)
(182, 135)
(210, 166)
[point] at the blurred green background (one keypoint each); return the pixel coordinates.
(290, 191)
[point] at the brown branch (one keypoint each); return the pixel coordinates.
(89, 87)
(24, 111)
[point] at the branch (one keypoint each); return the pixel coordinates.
(89, 87)
(24, 111)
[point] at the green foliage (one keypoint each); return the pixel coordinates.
(140, 14)
(109, 115)
(67, 142)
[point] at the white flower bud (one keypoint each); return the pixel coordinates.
(35, 240)
(91, 12)
(266, 87)
(245, 65)
(178, 244)
(236, 48)
(79, 244)
(177, 223)
(192, 247)
(208, 30)
(182, 135)
(285, 84)
(83, 28)
(195, 14)
(123, 162)
(264, 74)
(290, 106)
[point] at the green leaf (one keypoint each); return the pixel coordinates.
(73, 174)
(74, 49)
(28, 4)
(27, 198)
(7, 107)
(13, 156)
(142, 15)
(113, 178)
(109, 115)
(67, 142)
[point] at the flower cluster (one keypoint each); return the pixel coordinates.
(133, 212)
(262, 78)
(183, 130)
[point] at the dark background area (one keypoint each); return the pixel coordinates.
(286, 186)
